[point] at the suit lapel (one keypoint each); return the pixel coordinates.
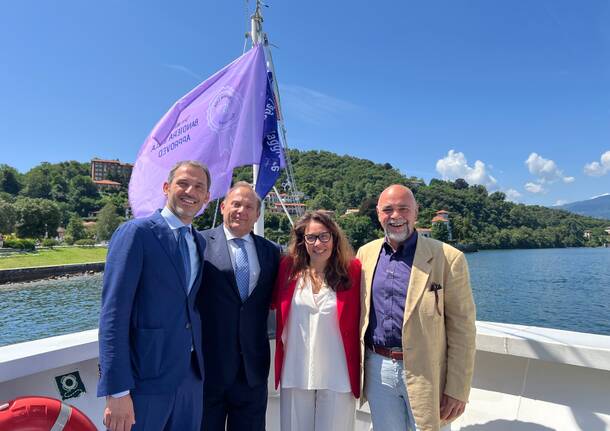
(370, 263)
(341, 297)
(219, 256)
(200, 243)
(169, 244)
(260, 254)
(419, 275)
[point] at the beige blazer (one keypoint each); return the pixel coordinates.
(439, 349)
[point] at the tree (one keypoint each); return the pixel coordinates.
(322, 201)
(38, 182)
(368, 208)
(460, 184)
(107, 222)
(440, 232)
(358, 229)
(36, 217)
(8, 217)
(75, 229)
(83, 195)
(10, 180)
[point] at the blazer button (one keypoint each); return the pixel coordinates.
(188, 326)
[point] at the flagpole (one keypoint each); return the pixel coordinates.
(256, 22)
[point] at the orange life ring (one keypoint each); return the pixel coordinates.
(42, 414)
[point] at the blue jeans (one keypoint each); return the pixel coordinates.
(387, 394)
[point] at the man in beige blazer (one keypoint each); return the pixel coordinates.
(417, 323)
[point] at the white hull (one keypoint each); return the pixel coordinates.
(526, 379)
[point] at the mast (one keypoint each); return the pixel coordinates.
(256, 26)
(258, 36)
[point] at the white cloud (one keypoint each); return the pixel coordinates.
(597, 169)
(534, 188)
(599, 196)
(560, 202)
(455, 166)
(312, 106)
(512, 195)
(546, 170)
(186, 70)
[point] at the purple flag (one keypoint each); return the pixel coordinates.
(219, 123)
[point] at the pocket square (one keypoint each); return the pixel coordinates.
(435, 287)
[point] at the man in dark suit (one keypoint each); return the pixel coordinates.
(239, 273)
(151, 364)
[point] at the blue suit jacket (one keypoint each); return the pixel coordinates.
(148, 323)
(234, 331)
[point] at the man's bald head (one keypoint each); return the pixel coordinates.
(397, 191)
(397, 212)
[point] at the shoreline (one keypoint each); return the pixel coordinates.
(20, 275)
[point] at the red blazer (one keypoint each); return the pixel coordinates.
(348, 313)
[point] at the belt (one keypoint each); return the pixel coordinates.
(391, 352)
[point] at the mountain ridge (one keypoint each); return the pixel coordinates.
(598, 207)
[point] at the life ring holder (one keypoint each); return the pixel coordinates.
(44, 414)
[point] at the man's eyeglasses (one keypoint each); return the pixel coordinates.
(310, 238)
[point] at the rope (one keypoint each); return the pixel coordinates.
(247, 32)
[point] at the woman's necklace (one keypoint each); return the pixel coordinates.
(317, 281)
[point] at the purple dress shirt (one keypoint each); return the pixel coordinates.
(389, 294)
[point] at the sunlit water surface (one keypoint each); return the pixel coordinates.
(555, 288)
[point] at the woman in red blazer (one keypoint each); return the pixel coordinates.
(317, 302)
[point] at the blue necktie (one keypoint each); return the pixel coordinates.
(183, 248)
(242, 269)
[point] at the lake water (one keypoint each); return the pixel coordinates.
(556, 288)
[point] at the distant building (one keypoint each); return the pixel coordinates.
(587, 234)
(607, 230)
(292, 203)
(114, 171)
(424, 231)
(107, 184)
(351, 211)
(442, 216)
(293, 209)
(61, 232)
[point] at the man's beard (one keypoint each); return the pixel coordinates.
(398, 237)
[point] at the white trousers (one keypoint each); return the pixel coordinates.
(316, 410)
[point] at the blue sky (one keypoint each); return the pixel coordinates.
(511, 94)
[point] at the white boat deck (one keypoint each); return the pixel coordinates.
(526, 378)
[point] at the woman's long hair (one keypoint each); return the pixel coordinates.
(337, 267)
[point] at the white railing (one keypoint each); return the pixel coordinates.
(526, 378)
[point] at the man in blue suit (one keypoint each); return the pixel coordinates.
(151, 363)
(239, 273)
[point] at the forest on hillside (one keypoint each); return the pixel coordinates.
(51, 195)
(478, 218)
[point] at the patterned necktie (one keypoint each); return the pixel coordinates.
(242, 269)
(183, 248)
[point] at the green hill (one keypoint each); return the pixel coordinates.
(50, 194)
(484, 220)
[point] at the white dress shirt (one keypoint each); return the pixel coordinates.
(174, 224)
(315, 356)
(253, 264)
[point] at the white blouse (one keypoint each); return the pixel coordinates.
(314, 354)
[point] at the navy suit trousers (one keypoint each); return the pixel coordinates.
(179, 410)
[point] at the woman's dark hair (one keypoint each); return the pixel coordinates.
(336, 272)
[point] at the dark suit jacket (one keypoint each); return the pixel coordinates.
(147, 321)
(233, 330)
